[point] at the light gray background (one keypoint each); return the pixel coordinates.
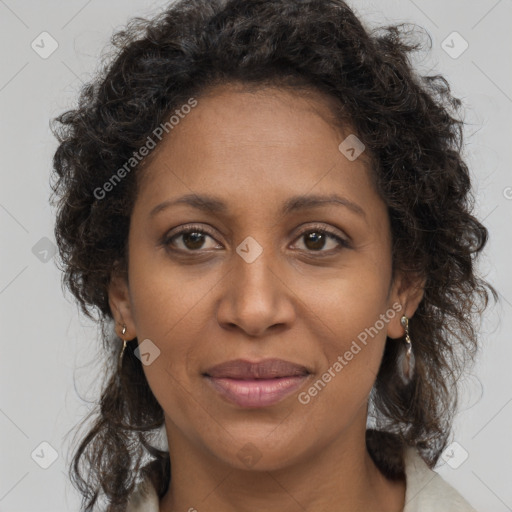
(46, 345)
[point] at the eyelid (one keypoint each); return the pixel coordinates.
(190, 227)
(343, 240)
(319, 226)
(185, 229)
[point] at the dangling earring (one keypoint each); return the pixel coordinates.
(120, 362)
(406, 359)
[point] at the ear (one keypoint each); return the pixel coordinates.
(406, 292)
(120, 304)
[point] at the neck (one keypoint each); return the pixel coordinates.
(340, 477)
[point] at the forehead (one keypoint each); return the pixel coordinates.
(239, 101)
(253, 144)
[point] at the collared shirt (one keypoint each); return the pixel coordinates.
(425, 491)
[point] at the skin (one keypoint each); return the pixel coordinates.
(206, 304)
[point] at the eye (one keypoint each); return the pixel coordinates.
(316, 237)
(192, 238)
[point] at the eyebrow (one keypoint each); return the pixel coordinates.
(212, 204)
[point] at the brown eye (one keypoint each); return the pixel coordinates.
(192, 239)
(316, 239)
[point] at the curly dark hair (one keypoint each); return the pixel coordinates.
(412, 130)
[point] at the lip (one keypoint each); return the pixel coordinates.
(256, 384)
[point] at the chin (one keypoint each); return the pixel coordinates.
(258, 450)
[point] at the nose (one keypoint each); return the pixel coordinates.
(256, 297)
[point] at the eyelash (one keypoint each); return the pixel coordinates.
(313, 229)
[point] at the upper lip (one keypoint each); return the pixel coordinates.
(266, 369)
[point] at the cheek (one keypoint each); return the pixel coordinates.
(354, 313)
(350, 298)
(165, 295)
(167, 310)
(354, 326)
(168, 307)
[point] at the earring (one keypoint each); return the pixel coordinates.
(406, 359)
(120, 362)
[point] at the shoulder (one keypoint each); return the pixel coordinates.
(426, 491)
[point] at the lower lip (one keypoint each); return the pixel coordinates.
(256, 392)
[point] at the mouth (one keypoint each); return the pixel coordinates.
(256, 384)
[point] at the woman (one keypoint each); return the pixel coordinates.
(269, 207)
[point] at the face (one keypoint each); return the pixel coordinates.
(259, 275)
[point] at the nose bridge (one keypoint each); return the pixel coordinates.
(255, 298)
(254, 269)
